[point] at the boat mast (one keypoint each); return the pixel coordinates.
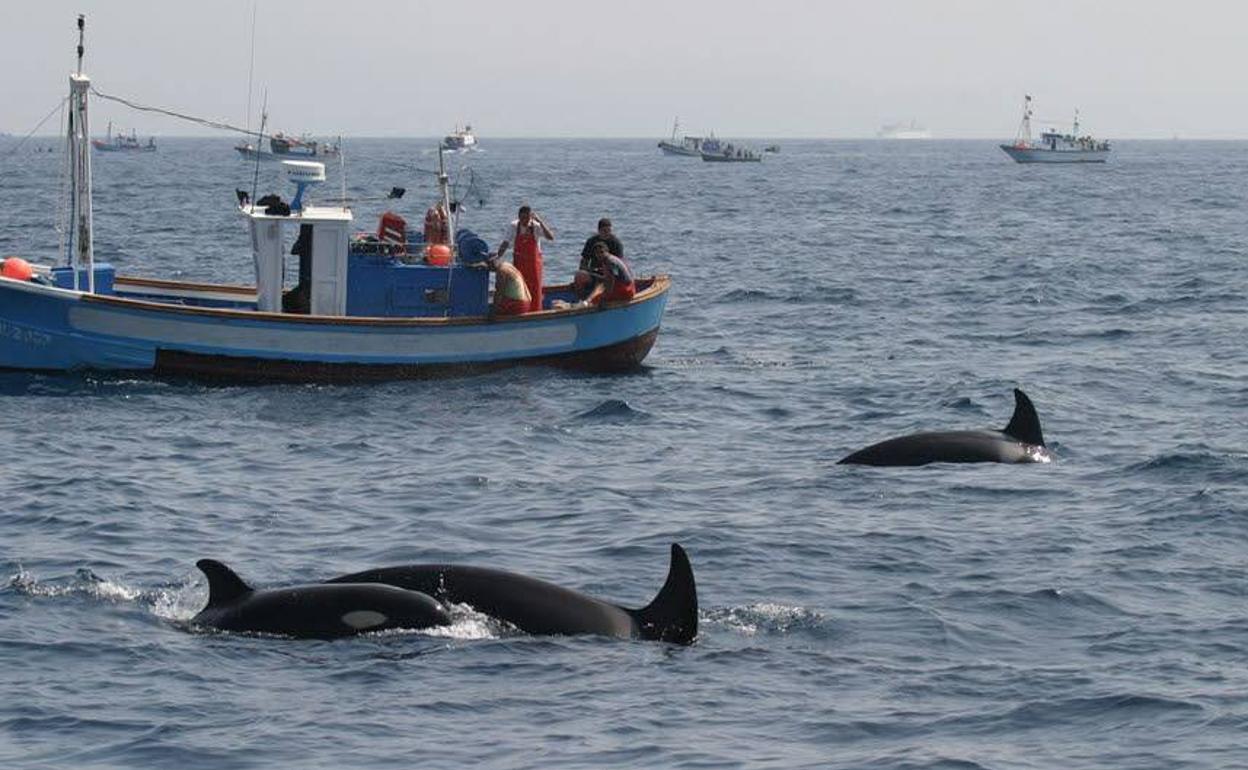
(444, 187)
(1075, 130)
(81, 248)
(1024, 130)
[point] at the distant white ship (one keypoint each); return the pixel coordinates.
(904, 131)
(461, 139)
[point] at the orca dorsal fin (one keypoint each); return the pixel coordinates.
(1025, 424)
(673, 615)
(224, 585)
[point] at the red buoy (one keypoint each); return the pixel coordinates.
(17, 268)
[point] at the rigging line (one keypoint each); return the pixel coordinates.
(170, 113)
(24, 139)
(251, 68)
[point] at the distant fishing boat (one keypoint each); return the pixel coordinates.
(903, 131)
(715, 151)
(460, 139)
(689, 146)
(282, 147)
(1054, 146)
(122, 143)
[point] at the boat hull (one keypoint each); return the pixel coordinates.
(252, 153)
(709, 158)
(675, 149)
(51, 329)
(1041, 155)
(105, 147)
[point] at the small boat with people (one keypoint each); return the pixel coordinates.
(715, 151)
(1054, 146)
(688, 146)
(460, 140)
(364, 307)
(120, 142)
(283, 147)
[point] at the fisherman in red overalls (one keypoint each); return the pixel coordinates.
(523, 233)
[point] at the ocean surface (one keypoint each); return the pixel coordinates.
(1089, 613)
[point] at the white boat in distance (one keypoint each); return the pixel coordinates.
(460, 139)
(689, 146)
(903, 131)
(1054, 146)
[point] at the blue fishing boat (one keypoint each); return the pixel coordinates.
(363, 308)
(282, 147)
(119, 142)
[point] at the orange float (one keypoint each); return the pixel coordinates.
(17, 268)
(438, 254)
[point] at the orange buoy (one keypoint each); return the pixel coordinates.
(17, 268)
(438, 254)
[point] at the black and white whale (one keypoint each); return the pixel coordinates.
(313, 611)
(1020, 442)
(537, 607)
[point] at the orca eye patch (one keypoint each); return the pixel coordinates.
(362, 619)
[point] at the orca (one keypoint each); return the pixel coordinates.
(312, 611)
(537, 607)
(1021, 442)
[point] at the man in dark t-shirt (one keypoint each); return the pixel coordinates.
(585, 278)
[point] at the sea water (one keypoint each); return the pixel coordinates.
(1088, 613)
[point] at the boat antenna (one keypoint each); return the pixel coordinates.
(82, 26)
(444, 187)
(264, 116)
(1075, 129)
(342, 169)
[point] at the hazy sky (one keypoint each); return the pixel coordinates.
(564, 68)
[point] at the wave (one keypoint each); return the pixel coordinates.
(613, 410)
(768, 618)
